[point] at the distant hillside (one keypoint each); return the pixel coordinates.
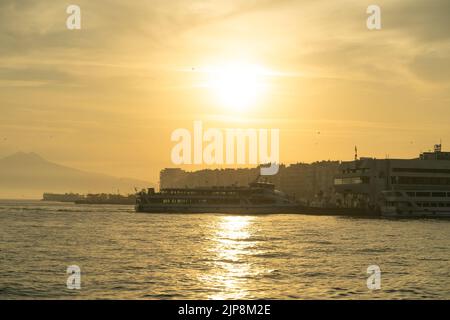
(28, 175)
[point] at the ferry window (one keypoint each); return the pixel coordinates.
(353, 180)
(438, 194)
(421, 170)
(422, 194)
(411, 194)
(404, 180)
(421, 180)
(365, 180)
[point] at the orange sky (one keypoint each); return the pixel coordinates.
(107, 97)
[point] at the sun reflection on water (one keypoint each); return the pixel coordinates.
(231, 244)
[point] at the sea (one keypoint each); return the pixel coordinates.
(121, 254)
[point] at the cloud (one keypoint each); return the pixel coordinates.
(40, 73)
(425, 21)
(432, 66)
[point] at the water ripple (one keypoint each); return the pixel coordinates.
(124, 255)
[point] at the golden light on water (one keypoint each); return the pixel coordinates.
(231, 270)
(235, 227)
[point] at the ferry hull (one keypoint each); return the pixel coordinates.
(222, 209)
(254, 210)
(393, 212)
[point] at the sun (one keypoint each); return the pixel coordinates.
(237, 86)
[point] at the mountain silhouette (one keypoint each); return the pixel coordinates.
(28, 175)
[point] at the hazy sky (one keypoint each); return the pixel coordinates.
(107, 97)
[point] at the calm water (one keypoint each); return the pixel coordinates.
(127, 255)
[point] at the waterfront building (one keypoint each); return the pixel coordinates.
(412, 187)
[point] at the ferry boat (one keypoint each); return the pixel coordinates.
(66, 197)
(418, 187)
(257, 198)
(416, 203)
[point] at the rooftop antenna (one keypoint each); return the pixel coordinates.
(438, 147)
